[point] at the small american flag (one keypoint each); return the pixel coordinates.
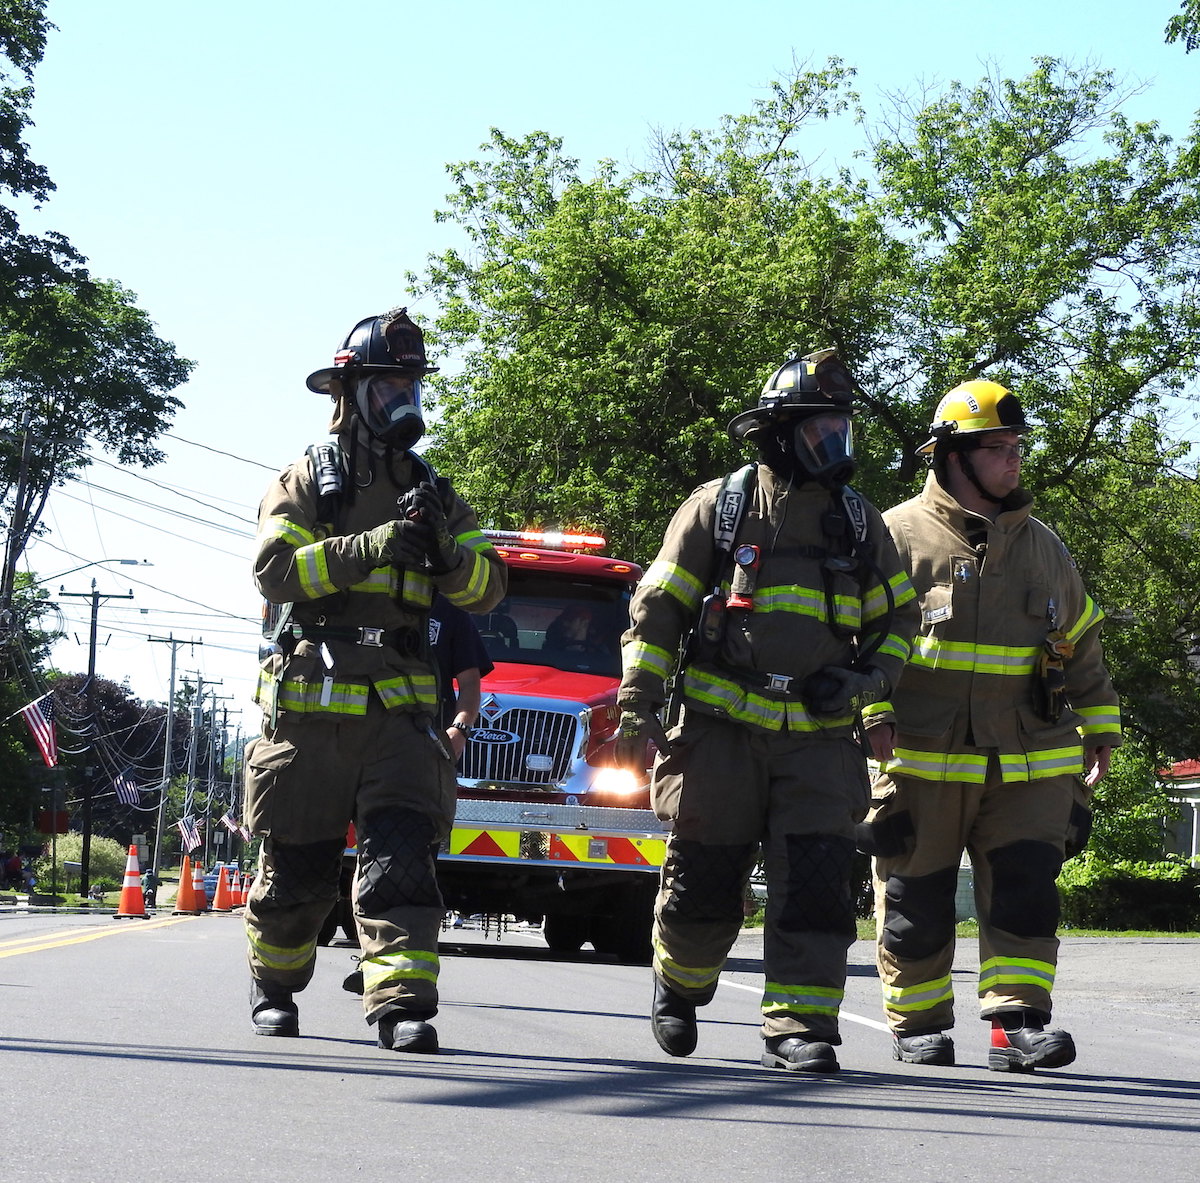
(39, 715)
(128, 792)
(230, 822)
(189, 833)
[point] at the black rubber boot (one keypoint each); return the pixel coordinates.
(272, 1011)
(401, 1031)
(797, 1054)
(923, 1047)
(353, 982)
(1020, 1043)
(673, 1020)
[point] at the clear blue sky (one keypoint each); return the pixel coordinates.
(262, 173)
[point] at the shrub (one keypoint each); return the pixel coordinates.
(1123, 895)
(106, 863)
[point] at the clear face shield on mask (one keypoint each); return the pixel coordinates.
(824, 446)
(390, 406)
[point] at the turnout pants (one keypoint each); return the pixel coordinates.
(1017, 835)
(731, 790)
(306, 780)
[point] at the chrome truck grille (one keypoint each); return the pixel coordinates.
(521, 746)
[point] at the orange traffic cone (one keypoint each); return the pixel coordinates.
(223, 897)
(185, 898)
(132, 903)
(243, 888)
(198, 886)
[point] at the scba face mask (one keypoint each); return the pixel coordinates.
(390, 406)
(823, 446)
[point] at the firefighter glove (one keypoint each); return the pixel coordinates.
(639, 724)
(421, 502)
(402, 542)
(835, 690)
(443, 549)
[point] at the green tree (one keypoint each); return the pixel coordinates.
(609, 325)
(1129, 807)
(80, 363)
(1185, 26)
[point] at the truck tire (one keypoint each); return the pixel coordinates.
(566, 934)
(625, 932)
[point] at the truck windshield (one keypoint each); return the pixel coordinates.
(566, 623)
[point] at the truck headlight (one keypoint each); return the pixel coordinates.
(618, 781)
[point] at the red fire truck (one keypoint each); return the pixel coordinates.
(547, 828)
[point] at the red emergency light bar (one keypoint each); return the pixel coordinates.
(551, 539)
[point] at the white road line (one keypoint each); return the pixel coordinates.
(847, 1015)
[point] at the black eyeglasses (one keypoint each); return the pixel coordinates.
(1017, 450)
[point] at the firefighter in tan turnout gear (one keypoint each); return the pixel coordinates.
(802, 612)
(998, 729)
(353, 540)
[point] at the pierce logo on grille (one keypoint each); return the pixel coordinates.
(494, 735)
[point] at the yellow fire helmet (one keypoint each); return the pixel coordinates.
(972, 408)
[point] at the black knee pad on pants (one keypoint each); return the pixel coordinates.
(918, 916)
(817, 897)
(1024, 893)
(707, 881)
(887, 836)
(304, 874)
(396, 862)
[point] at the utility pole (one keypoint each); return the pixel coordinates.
(89, 769)
(193, 748)
(213, 795)
(235, 781)
(169, 639)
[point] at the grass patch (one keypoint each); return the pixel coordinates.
(969, 929)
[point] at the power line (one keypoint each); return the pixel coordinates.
(217, 451)
(132, 628)
(143, 583)
(178, 490)
(175, 513)
(147, 526)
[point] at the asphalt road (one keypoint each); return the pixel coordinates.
(128, 1054)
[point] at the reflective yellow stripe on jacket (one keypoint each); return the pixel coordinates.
(311, 567)
(1089, 616)
(638, 655)
(481, 573)
(724, 696)
(1098, 719)
(933, 654)
(1042, 764)
(349, 698)
(971, 767)
(672, 578)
